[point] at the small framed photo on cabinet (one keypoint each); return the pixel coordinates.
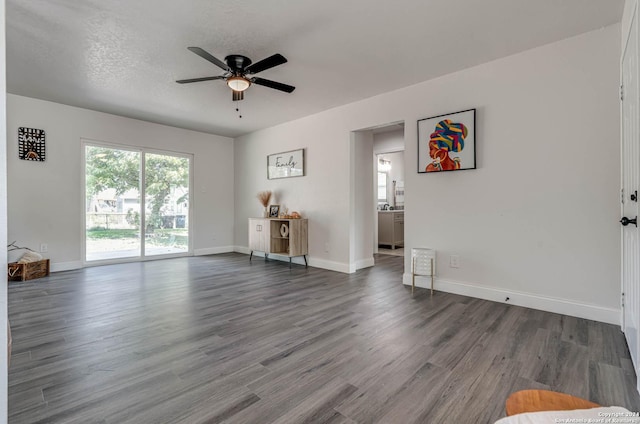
(274, 210)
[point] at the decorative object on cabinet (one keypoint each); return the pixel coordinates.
(286, 164)
(284, 229)
(31, 144)
(447, 142)
(266, 235)
(423, 262)
(264, 197)
(274, 210)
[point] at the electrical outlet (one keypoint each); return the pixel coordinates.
(454, 261)
(44, 248)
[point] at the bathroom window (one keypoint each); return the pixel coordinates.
(382, 187)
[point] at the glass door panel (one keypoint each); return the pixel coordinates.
(166, 187)
(112, 184)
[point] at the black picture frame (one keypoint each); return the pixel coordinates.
(447, 142)
(31, 144)
(274, 210)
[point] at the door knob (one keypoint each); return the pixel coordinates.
(626, 221)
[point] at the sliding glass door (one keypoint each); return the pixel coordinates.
(167, 204)
(112, 199)
(137, 203)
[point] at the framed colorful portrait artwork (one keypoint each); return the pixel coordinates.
(447, 142)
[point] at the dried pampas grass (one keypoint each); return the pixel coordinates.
(264, 197)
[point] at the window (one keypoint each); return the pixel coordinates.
(137, 203)
(382, 187)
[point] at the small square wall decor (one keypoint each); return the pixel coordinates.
(447, 142)
(31, 144)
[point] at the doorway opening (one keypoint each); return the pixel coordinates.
(375, 193)
(389, 163)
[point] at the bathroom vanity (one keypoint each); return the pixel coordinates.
(391, 228)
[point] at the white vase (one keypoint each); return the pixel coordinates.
(265, 213)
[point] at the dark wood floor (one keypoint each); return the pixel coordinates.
(217, 339)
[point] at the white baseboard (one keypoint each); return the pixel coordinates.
(242, 249)
(528, 300)
(213, 250)
(331, 265)
(272, 256)
(314, 262)
(365, 263)
(65, 266)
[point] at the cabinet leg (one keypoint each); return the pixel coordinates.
(305, 261)
(289, 262)
(251, 256)
(266, 256)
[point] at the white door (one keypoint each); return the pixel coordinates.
(630, 186)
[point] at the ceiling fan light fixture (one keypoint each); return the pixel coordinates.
(236, 68)
(238, 83)
(237, 95)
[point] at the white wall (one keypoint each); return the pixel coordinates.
(3, 219)
(390, 141)
(537, 220)
(627, 14)
(322, 195)
(364, 203)
(45, 199)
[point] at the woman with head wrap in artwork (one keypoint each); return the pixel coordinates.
(448, 137)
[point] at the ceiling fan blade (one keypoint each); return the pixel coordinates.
(272, 84)
(207, 56)
(264, 64)
(186, 81)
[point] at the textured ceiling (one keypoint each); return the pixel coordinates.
(123, 56)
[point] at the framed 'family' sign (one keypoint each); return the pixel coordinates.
(285, 164)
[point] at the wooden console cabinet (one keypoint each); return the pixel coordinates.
(269, 236)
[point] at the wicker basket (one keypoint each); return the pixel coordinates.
(28, 271)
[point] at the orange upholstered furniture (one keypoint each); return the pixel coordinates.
(544, 400)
